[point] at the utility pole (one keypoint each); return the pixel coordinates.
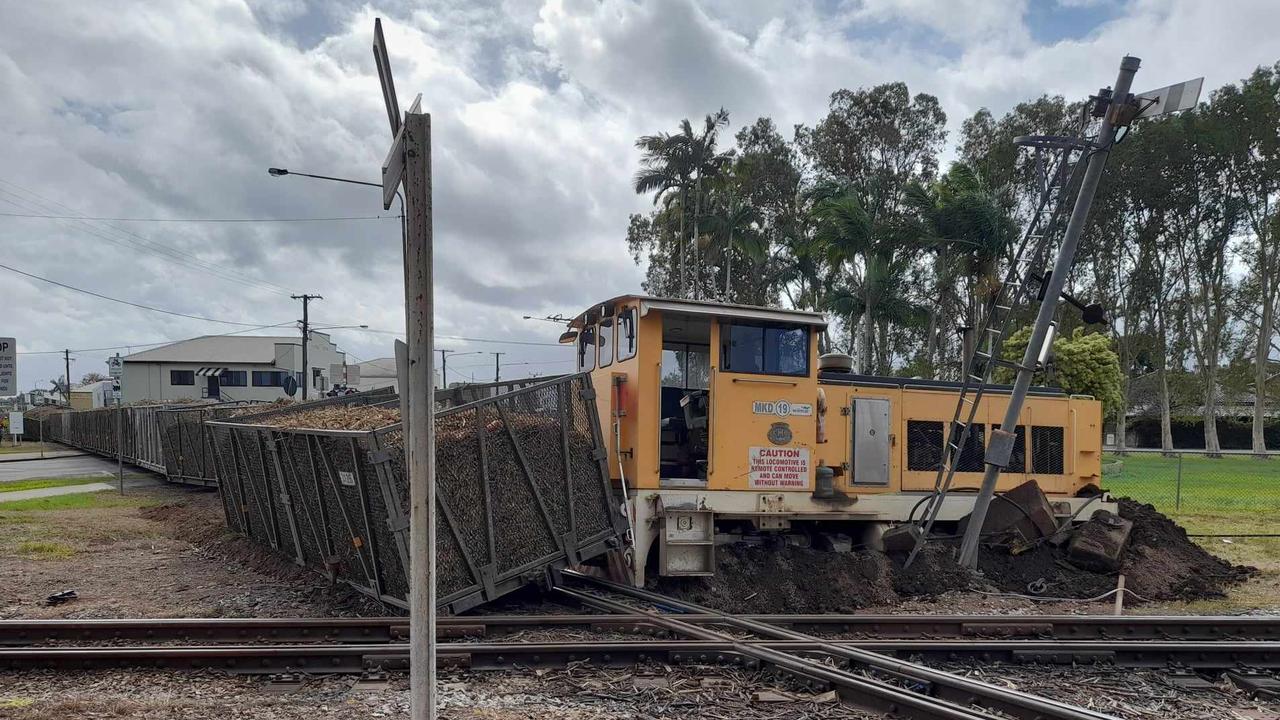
(1000, 447)
(444, 367)
(66, 389)
(306, 339)
(497, 366)
(409, 162)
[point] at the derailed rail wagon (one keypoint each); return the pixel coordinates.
(521, 491)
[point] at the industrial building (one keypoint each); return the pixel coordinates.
(229, 367)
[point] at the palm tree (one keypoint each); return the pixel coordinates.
(704, 163)
(963, 220)
(664, 169)
(733, 225)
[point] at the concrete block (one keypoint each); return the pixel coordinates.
(1100, 543)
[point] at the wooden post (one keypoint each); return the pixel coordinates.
(420, 434)
(1119, 609)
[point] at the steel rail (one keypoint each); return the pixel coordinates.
(389, 629)
(959, 690)
(324, 658)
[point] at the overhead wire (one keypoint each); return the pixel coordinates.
(151, 344)
(123, 302)
(124, 237)
(199, 220)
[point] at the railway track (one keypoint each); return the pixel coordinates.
(876, 658)
(17, 633)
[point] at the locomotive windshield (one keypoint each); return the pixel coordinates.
(764, 348)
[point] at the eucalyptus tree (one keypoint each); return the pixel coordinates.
(1249, 141)
(873, 144)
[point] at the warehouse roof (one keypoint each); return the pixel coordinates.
(218, 349)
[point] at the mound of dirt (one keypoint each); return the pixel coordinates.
(1162, 563)
(765, 579)
(933, 572)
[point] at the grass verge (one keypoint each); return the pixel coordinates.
(76, 501)
(41, 483)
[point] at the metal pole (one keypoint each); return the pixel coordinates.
(41, 431)
(1177, 497)
(1002, 440)
(66, 354)
(119, 439)
(497, 366)
(421, 433)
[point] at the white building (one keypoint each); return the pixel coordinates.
(229, 367)
(91, 396)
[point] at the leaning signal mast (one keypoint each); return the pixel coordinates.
(1066, 165)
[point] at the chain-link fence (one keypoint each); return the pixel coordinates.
(1192, 482)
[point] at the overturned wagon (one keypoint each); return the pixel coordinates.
(521, 490)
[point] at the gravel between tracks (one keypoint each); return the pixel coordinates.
(574, 693)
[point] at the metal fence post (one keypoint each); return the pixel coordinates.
(1177, 497)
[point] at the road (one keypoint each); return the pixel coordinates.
(77, 466)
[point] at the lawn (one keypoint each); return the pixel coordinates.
(1230, 485)
(28, 447)
(75, 501)
(40, 483)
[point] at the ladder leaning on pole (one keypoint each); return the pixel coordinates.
(1058, 174)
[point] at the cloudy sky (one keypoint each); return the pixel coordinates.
(174, 110)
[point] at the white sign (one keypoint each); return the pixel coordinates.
(15, 423)
(781, 408)
(346, 478)
(780, 468)
(115, 367)
(8, 367)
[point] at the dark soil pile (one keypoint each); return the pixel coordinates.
(767, 579)
(933, 572)
(1162, 563)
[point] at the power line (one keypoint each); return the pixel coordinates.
(199, 220)
(122, 237)
(152, 344)
(124, 302)
(400, 333)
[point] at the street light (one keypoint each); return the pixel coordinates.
(281, 172)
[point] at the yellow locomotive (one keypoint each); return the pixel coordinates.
(722, 419)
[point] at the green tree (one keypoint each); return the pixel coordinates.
(965, 224)
(1081, 364)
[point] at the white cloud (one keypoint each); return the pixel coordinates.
(176, 109)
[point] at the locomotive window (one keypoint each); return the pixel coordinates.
(1018, 460)
(685, 366)
(1047, 449)
(765, 349)
(605, 335)
(587, 349)
(924, 444)
(627, 334)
